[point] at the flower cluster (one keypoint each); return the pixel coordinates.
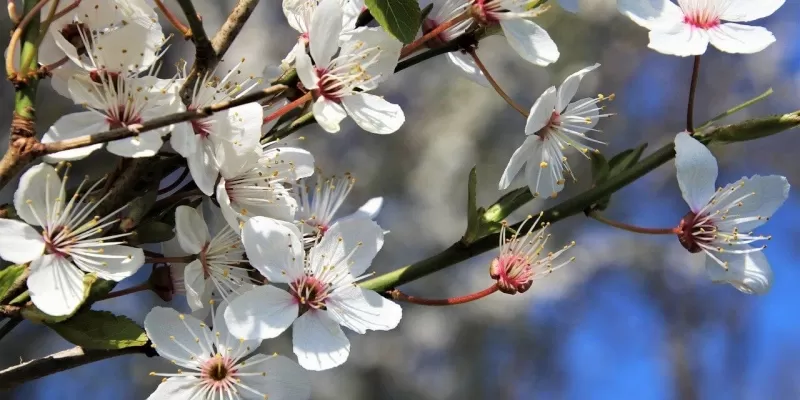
(258, 247)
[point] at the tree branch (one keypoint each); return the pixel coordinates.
(62, 361)
(576, 205)
(203, 48)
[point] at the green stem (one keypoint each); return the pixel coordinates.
(25, 98)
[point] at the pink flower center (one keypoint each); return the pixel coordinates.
(484, 10)
(554, 122)
(122, 116)
(514, 274)
(201, 127)
(310, 292)
(696, 230)
(54, 244)
(701, 19)
(329, 85)
(218, 372)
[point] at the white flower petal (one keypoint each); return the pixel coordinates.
(203, 168)
(55, 285)
(190, 229)
(682, 40)
(541, 111)
(19, 242)
(738, 38)
(542, 173)
(284, 379)
(245, 124)
(177, 388)
(319, 342)
(370, 209)
(383, 67)
(289, 162)
(466, 64)
(38, 189)
(530, 41)
(696, 171)
(328, 114)
(172, 339)
(262, 313)
(183, 139)
(115, 263)
(305, 68)
(273, 248)
(749, 10)
(71, 126)
(233, 344)
(749, 272)
(768, 194)
(651, 14)
(521, 155)
(361, 310)
(568, 89)
(373, 113)
(326, 26)
(360, 234)
(145, 144)
(195, 284)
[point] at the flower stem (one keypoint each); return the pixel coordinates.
(12, 12)
(495, 85)
(415, 45)
(133, 289)
(400, 296)
(67, 9)
(692, 89)
(633, 228)
(289, 107)
(173, 19)
(29, 49)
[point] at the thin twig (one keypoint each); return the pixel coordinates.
(633, 228)
(692, 90)
(67, 9)
(415, 45)
(16, 36)
(173, 19)
(400, 296)
(496, 85)
(12, 12)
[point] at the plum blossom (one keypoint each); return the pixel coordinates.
(720, 222)
(214, 364)
(553, 125)
(299, 14)
(444, 11)
(519, 262)
(320, 202)
(237, 130)
(219, 265)
(321, 292)
(340, 78)
(71, 240)
(260, 183)
(686, 28)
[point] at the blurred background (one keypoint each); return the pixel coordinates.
(633, 317)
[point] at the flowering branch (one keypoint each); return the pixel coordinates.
(62, 361)
(124, 132)
(459, 251)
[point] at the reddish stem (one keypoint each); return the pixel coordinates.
(289, 107)
(67, 9)
(173, 19)
(495, 85)
(692, 90)
(400, 296)
(133, 289)
(634, 228)
(415, 45)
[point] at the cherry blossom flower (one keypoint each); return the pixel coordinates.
(299, 14)
(102, 26)
(687, 28)
(553, 125)
(720, 222)
(217, 266)
(322, 293)
(320, 202)
(444, 11)
(340, 80)
(527, 38)
(519, 262)
(213, 364)
(237, 129)
(71, 240)
(259, 184)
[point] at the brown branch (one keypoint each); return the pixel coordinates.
(196, 31)
(11, 311)
(220, 44)
(62, 361)
(125, 132)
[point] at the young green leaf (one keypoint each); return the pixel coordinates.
(400, 18)
(101, 330)
(8, 278)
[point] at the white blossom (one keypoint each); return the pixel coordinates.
(720, 222)
(322, 293)
(554, 124)
(444, 11)
(686, 28)
(340, 78)
(320, 202)
(213, 364)
(71, 240)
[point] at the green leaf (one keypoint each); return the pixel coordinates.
(399, 17)
(31, 312)
(736, 109)
(152, 232)
(8, 277)
(600, 167)
(616, 165)
(507, 204)
(101, 330)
